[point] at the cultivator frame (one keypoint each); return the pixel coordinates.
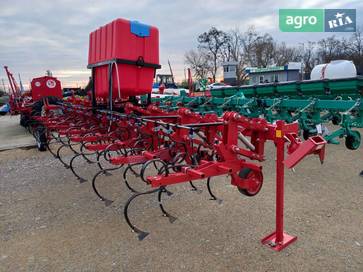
(180, 146)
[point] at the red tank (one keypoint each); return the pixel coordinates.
(131, 50)
(45, 86)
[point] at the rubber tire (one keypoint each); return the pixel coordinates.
(24, 120)
(336, 120)
(243, 173)
(38, 106)
(41, 138)
(352, 141)
(306, 134)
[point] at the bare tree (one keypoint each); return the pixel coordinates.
(284, 54)
(249, 41)
(233, 51)
(308, 57)
(199, 62)
(329, 49)
(260, 50)
(356, 43)
(355, 47)
(264, 50)
(213, 42)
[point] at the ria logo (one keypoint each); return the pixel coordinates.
(340, 20)
(317, 20)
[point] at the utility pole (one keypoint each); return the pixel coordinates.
(21, 84)
(171, 71)
(4, 85)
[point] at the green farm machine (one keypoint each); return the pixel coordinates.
(314, 103)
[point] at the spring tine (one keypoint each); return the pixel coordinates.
(165, 213)
(105, 171)
(153, 162)
(141, 234)
(102, 198)
(98, 160)
(129, 167)
(133, 171)
(50, 150)
(213, 197)
(194, 188)
(81, 179)
(60, 158)
(85, 155)
(71, 146)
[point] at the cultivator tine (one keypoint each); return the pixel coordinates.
(165, 213)
(102, 198)
(84, 155)
(70, 145)
(194, 188)
(105, 171)
(81, 179)
(60, 158)
(213, 197)
(124, 175)
(50, 150)
(141, 234)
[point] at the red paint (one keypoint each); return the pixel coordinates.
(115, 41)
(45, 86)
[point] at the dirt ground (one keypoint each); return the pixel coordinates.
(51, 222)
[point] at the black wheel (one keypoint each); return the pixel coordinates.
(336, 120)
(255, 178)
(352, 140)
(307, 134)
(38, 106)
(24, 120)
(41, 138)
(40, 132)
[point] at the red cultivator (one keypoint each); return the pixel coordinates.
(160, 148)
(177, 147)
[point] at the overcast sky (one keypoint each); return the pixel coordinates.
(40, 35)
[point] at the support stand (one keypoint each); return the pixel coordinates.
(278, 240)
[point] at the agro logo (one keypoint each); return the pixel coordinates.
(299, 21)
(37, 83)
(50, 83)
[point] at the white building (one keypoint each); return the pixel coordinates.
(229, 72)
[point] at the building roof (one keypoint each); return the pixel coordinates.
(289, 67)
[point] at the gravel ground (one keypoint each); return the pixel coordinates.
(51, 222)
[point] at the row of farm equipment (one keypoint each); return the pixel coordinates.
(313, 114)
(162, 142)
